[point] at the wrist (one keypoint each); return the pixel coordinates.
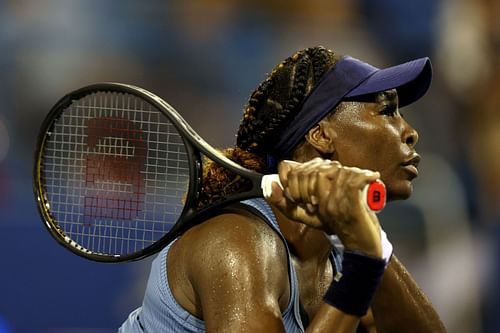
(373, 252)
(352, 290)
(384, 251)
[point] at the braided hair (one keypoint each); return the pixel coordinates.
(270, 108)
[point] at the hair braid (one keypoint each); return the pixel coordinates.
(298, 91)
(321, 60)
(270, 108)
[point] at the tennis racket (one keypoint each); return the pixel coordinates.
(118, 173)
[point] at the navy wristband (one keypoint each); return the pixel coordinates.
(353, 289)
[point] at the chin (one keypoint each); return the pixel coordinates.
(400, 191)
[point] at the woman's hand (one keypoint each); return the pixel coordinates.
(326, 195)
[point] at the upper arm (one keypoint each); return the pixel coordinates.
(240, 275)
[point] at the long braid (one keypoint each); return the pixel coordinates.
(297, 95)
(270, 108)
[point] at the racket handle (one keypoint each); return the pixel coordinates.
(374, 193)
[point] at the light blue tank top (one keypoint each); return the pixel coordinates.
(160, 312)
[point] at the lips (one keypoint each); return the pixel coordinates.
(411, 164)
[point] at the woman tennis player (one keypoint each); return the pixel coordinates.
(329, 125)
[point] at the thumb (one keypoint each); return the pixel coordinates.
(274, 193)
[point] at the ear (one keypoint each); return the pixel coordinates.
(322, 138)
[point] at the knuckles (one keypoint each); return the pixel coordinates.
(329, 177)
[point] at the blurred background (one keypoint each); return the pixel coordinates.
(205, 57)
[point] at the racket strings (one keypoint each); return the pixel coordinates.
(115, 171)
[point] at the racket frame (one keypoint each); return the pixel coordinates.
(193, 143)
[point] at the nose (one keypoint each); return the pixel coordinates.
(410, 135)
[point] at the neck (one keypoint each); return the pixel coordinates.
(305, 243)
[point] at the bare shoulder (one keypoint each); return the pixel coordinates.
(230, 258)
(232, 239)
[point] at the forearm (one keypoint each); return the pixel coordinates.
(400, 305)
(331, 319)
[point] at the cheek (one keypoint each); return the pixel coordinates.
(368, 147)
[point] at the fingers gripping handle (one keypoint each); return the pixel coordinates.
(375, 199)
(374, 193)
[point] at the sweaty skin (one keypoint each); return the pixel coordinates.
(231, 271)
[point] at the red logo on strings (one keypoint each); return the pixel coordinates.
(114, 170)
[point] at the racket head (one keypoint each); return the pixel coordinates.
(113, 174)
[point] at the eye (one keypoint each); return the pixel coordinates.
(389, 110)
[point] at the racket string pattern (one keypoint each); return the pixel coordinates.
(116, 172)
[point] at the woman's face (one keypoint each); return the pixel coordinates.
(370, 133)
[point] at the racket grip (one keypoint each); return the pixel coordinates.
(374, 193)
